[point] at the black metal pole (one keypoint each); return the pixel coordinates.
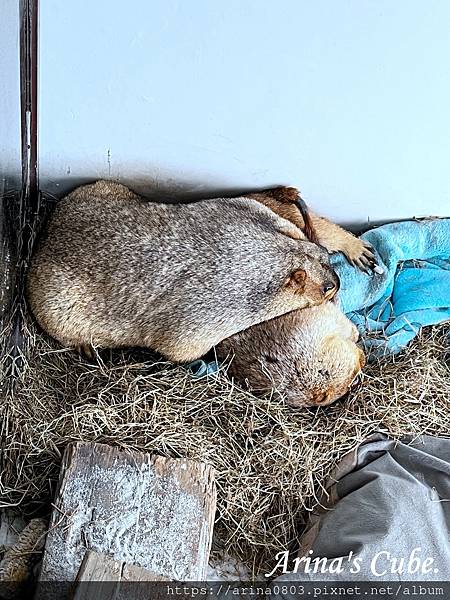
(29, 197)
(29, 99)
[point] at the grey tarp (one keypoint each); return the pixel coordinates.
(387, 497)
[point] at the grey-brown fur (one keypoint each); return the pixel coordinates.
(115, 270)
(309, 355)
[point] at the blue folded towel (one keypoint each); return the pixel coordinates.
(412, 291)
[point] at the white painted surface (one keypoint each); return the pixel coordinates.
(347, 100)
(10, 156)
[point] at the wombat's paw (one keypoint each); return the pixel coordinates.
(360, 254)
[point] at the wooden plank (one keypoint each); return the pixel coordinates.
(101, 567)
(100, 576)
(140, 509)
(134, 573)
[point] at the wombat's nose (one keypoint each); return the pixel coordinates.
(331, 286)
(330, 289)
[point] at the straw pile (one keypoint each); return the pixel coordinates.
(272, 462)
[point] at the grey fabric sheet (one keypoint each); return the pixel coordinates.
(389, 497)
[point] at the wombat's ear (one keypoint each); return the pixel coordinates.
(297, 280)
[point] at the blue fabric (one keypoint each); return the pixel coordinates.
(414, 289)
(200, 368)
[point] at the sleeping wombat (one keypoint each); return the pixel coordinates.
(115, 270)
(308, 355)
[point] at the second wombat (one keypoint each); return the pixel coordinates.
(309, 355)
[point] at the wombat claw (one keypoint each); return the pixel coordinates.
(365, 260)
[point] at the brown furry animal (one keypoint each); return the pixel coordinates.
(285, 202)
(115, 270)
(308, 355)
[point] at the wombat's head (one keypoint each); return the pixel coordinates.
(312, 281)
(335, 365)
(309, 355)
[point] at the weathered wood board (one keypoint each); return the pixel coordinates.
(140, 509)
(100, 576)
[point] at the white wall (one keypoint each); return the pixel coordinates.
(10, 153)
(348, 100)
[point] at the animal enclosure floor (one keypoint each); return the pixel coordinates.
(271, 462)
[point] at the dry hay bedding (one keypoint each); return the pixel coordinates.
(271, 461)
